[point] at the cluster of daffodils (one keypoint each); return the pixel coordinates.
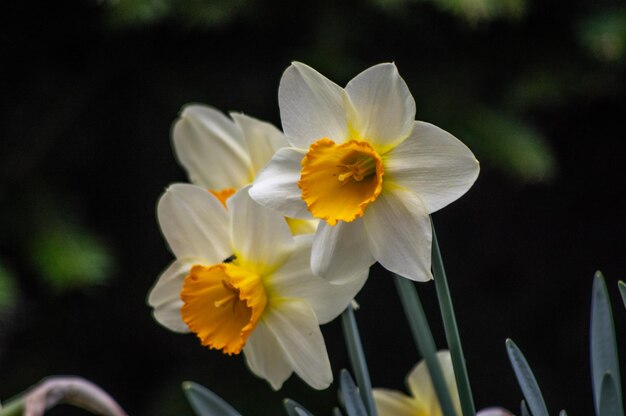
(276, 232)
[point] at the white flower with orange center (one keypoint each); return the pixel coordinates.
(242, 282)
(360, 162)
(224, 154)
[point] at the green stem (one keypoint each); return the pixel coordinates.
(13, 407)
(357, 359)
(452, 331)
(424, 340)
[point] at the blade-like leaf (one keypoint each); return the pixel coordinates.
(451, 329)
(351, 398)
(562, 413)
(608, 403)
(603, 345)
(524, 409)
(206, 403)
(526, 380)
(622, 291)
(357, 358)
(294, 408)
(424, 341)
(337, 412)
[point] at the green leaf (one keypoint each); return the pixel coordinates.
(350, 393)
(423, 338)
(451, 330)
(206, 403)
(603, 344)
(524, 409)
(294, 408)
(526, 379)
(622, 291)
(609, 404)
(562, 413)
(357, 358)
(337, 412)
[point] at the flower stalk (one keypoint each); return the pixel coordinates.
(424, 340)
(452, 331)
(357, 359)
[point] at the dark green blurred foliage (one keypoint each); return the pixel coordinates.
(132, 14)
(50, 243)
(604, 35)
(67, 256)
(470, 10)
(8, 290)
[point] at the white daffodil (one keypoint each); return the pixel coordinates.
(423, 399)
(360, 162)
(241, 281)
(224, 154)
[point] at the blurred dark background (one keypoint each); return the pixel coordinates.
(89, 90)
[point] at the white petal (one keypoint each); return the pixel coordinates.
(164, 296)
(434, 164)
(194, 223)
(265, 357)
(400, 234)
(311, 106)
(260, 236)
(276, 186)
(296, 280)
(383, 107)
(340, 251)
(262, 139)
(295, 326)
(419, 383)
(394, 403)
(211, 148)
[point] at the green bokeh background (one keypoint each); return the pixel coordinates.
(89, 90)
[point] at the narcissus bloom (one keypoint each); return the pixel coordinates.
(360, 162)
(423, 399)
(224, 154)
(241, 281)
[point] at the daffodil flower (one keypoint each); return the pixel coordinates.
(242, 281)
(224, 154)
(360, 162)
(423, 399)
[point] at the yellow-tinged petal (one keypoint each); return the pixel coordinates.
(338, 182)
(222, 305)
(423, 399)
(299, 226)
(395, 403)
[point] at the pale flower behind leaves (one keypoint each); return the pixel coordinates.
(422, 400)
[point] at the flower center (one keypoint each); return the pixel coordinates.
(222, 305)
(223, 194)
(338, 182)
